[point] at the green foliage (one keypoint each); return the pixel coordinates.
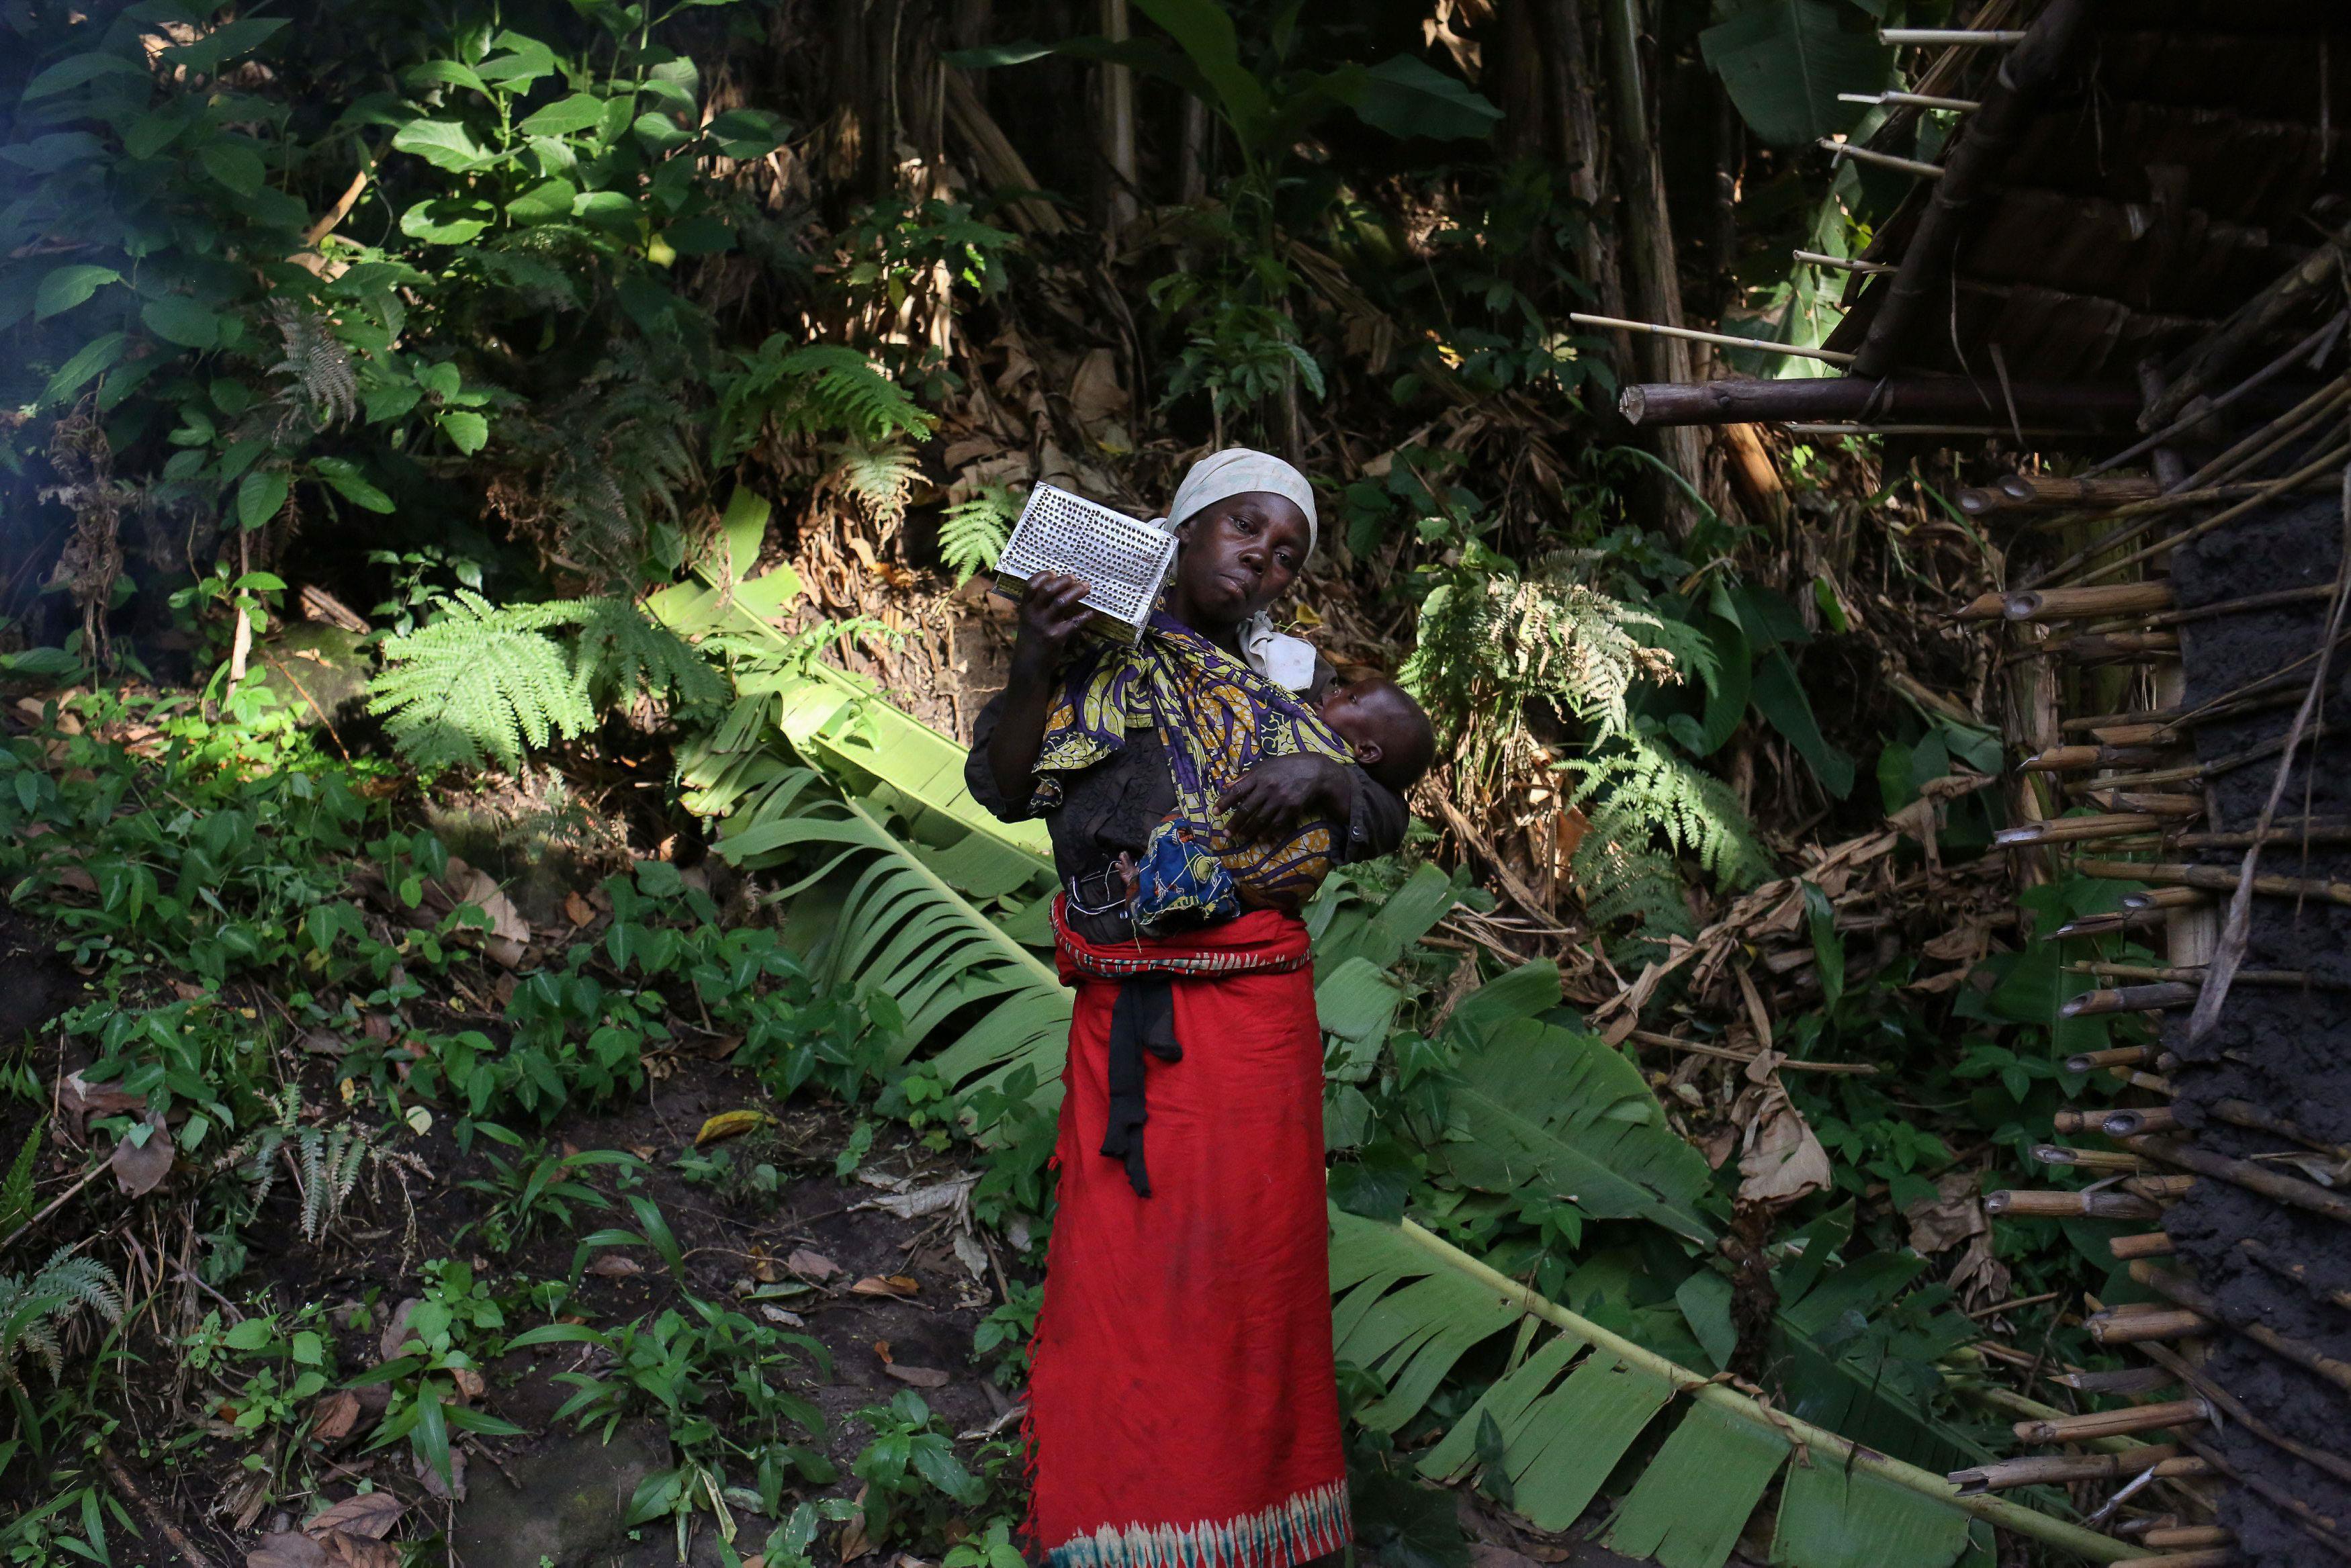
(35, 1312)
(446, 1332)
(1634, 789)
(484, 682)
(537, 1189)
(910, 1469)
(973, 533)
(1785, 61)
(267, 1368)
(807, 389)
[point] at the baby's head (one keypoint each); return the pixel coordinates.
(1391, 737)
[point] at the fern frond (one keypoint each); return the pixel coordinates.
(879, 477)
(973, 533)
(314, 1182)
(80, 1282)
(32, 1311)
(480, 682)
(1633, 792)
(621, 652)
(1631, 885)
(17, 1192)
(321, 385)
(814, 389)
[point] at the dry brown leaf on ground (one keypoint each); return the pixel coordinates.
(332, 1415)
(811, 1266)
(1954, 1215)
(451, 1490)
(395, 1331)
(345, 1550)
(920, 1376)
(896, 1287)
(140, 1166)
(1779, 1159)
(287, 1548)
(614, 1266)
(369, 1513)
(731, 1124)
(925, 1200)
(82, 1101)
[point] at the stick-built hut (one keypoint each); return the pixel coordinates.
(2132, 257)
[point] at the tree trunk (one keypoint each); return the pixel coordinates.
(1656, 288)
(1119, 206)
(1193, 150)
(1575, 143)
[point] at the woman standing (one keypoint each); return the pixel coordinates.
(1183, 1412)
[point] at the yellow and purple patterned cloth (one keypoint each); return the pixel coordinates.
(1216, 719)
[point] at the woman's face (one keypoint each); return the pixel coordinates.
(1239, 555)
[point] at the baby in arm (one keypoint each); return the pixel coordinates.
(1387, 735)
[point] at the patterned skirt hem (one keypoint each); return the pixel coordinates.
(1305, 1525)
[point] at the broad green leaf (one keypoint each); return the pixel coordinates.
(47, 154)
(1205, 30)
(236, 165)
(467, 430)
(75, 70)
(544, 202)
(443, 143)
(1544, 1109)
(1689, 1506)
(1779, 696)
(522, 61)
(1572, 1437)
(95, 358)
(347, 482)
(700, 235)
(260, 496)
(445, 220)
(64, 288)
(176, 319)
(564, 117)
(445, 73)
(230, 41)
(607, 209)
(153, 132)
(659, 132)
(1833, 1517)
(1785, 62)
(1406, 96)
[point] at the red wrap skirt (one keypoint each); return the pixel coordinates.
(1183, 1411)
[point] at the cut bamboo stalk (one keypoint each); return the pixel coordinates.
(1896, 400)
(2018, 491)
(1842, 1452)
(2216, 879)
(2133, 737)
(2073, 1121)
(2196, 409)
(1951, 38)
(2066, 603)
(1983, 607)
(2148, 1081)
(2128, 999)
(2086, 1158)
(2213, 353)
(2180, 1535)
(1840, 264)
(1917, 168)
(2312, 832)
(2078, 830)
(2080, 758)
(2165, 899)
(2113, 1056)
(2149, 1244)
(2305, 1194)
(2138, 1328)
(2214, 1557)
(2114, 1423)
(2139, 1122)
(2264, 440)
(1913, 101)
(2160, 1189)
(1723, 340)
(2105, 1205)
(2125, 1380)
(2135, 519)
(2331, 463)
(2244, 1114)
(2107, 925)
(2194, 1298)
(2149, 803)
(2063, 1469)
(2231, 1406)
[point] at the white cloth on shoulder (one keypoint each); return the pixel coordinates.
(1287, 661)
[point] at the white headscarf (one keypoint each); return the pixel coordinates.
(1287, 661)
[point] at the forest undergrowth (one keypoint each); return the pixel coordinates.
(494, 498)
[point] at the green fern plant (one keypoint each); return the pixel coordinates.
(592, 476)
(813, 389)
(879, 477)
(972, 533)
(16, 1191)
(1491, 640)
(34, 1313)
(1634, 792)
(484, 682)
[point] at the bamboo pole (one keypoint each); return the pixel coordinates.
(2137, 1328)
(2139, 1122)
(2331, 463)
(1912, 101)
(1720, 339)
(2174, 1536)
(2197, 409)
(2244, 1114)
(2114, 1423)
(1952, 37)
(2216, 879)
(2065, 1469)
(2031, 1205)
(1904, 399)
(2114, 1056)
(1839, 263)
(2077, 829)
(2060, 1533)
(2195, 1299)
(1916, 168)
(2070, 603)
(2151, 1244)
(2305, 1194)
(2230, 1405)
(2259, 1252)
(2127, 1380)
(2086, 1158)
(2216, 1557)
